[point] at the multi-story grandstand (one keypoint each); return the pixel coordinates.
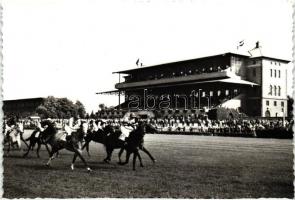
(255, 85)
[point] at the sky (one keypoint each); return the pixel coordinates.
(69, 48)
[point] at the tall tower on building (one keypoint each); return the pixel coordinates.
(269, 100)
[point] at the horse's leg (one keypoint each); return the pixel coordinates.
(134, 159)
(148, 153)
(38, 149)
(57, 154)
(83, 160)
(47, 149)
(74, 159)
(22, 139)
(87, 147)
(139, 158)
(127, 158)
(119, 155)
(51, 156)
(109, 154)
(29, 148)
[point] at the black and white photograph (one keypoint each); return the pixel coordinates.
(147, 99)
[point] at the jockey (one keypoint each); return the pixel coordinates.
(73, 125)
(10, 125)
(128, 125)
(93, 127)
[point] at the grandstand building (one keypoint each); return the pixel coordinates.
(21, 107)
(253, 84)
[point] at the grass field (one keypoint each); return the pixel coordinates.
(187, 167)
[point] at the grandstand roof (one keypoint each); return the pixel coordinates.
(128, 71)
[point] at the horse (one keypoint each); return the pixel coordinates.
(133, 143)
(110, 133)
(60, 140)
(34, 139)
(13, 137)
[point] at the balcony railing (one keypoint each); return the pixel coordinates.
(175, 80)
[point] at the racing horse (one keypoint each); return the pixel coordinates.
(13, 137)
(34, 139)
(60, 140)
(109, 137)
(132, 144)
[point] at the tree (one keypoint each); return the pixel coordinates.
(80, 109)
(60, 108)
(102, 106)
(92, 115)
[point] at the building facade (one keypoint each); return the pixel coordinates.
(255, 85)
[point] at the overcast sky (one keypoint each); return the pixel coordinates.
(69, 48)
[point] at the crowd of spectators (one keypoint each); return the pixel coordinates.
(202, 125)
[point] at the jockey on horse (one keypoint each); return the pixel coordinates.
(73, 125)
(128, 125)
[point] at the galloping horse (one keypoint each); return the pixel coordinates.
(133, 143)
(59, 140)
(34, 139)
(109, 137)
(13, 137)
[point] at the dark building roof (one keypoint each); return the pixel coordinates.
(27, 99)
(178, 62)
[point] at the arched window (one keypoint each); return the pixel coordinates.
(279, 91)
(267, 113)
(275, 90)
(270, 90)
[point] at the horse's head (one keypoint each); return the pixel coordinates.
(109, 129)
(49, 131)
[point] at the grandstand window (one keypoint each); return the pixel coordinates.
(279, 71)
(267, 103)
(282, 104)
(235, 91)
(211, 93)
(279, 64)
(270, 62)
(275, 73)
(226, 92)
(218, 93)
(279, 91)
(275, 90)
(270, 90)
(270, 72)
(275, 103)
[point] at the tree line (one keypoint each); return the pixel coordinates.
(61, 108)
